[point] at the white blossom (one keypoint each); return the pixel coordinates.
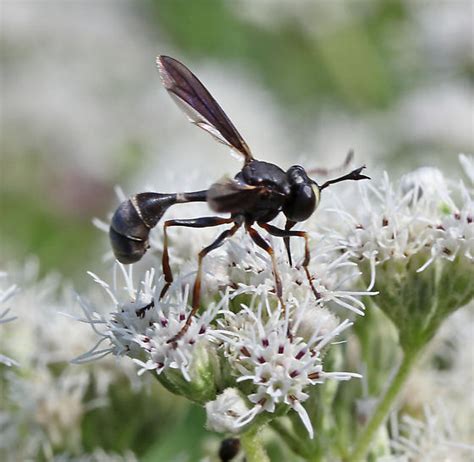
(225, 412)
(264, 349)
(142, 324)
(48, 407)
(446, 372)
(424, 214)
(467, 163)
(5, 295)
(432, 438)
(276, 351)
(250, 271)
(46, 398)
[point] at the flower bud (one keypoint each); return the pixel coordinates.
(224, 412)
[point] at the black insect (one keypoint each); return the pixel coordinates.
(256, 195)
(230, 447)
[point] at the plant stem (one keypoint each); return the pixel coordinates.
(290, 439)
(384, 406)
(253, 447)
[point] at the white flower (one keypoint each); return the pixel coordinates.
(263, 349)
(213, 351)
(49, 408)
(142, 324)
(447, 371)
(224, 412)
(250, 271)
(5, 295)
(432, 438)
(308, 322)
(414, 243)
(467, 163)
(421, 215)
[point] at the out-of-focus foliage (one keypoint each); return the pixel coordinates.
(304, 61)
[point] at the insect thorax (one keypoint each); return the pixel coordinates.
(269, 201)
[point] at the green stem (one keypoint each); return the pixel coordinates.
(290, 439)
(253, 447)
(384, 406)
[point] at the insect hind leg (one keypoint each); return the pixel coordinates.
(205, 222)
(197, 282)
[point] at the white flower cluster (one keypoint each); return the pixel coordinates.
(430, 438)
(278, 357)
(249, 271)
(142, 324)
(243, 339)
(451, 351)
(5, 295)
(50, 408)
(46, 399)
(423, 214)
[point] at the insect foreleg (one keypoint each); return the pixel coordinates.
(262, 243)
(289, 224)
(286, 234)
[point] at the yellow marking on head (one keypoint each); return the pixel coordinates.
(317, 195)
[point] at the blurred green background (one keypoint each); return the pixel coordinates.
(304, 81)
(82, 107)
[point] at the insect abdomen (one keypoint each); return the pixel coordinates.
(132, 222)
(135, 217)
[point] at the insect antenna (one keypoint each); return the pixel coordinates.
(354, 175)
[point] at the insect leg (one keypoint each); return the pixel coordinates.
(197, 283)
(269, 249)
(286, 233)
(204, 222)
(289, 224)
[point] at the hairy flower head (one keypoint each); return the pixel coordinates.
(5, 295)
(414, 242)
(270, 359)
(141, 325)
(432, 437)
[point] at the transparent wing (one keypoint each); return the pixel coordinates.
(198, 104)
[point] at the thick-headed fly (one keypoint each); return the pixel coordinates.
(255, 196)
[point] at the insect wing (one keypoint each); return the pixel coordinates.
(198, 104)
(230, 196)
(196, 118)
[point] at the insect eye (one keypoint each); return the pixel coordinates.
(302, 202)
